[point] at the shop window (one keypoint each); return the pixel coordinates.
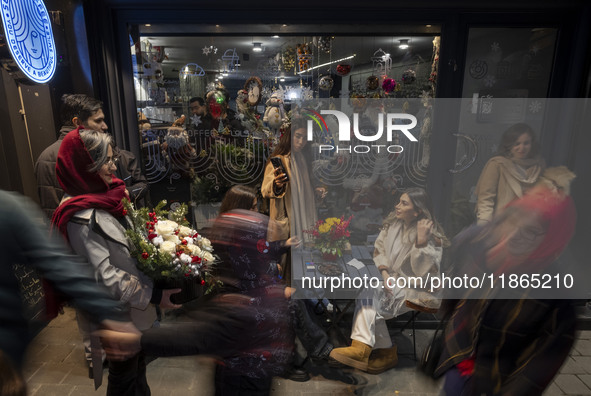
(196, 151)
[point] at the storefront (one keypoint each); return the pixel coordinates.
(147, 59)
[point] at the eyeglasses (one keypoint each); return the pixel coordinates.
(112, 161)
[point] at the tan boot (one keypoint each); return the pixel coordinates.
(357, 355)
(381, 360)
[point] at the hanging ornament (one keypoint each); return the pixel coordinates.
(343, 69)
(288, 59)
(326, 83)
(305, 57)
(323, 43)
(409, 76)
(372, 83)
(382, 62)
(389, 85)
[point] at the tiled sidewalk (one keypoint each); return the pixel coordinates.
(56, 367)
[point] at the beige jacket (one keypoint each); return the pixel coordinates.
(395, 250)
(498, 185)
(279, 204)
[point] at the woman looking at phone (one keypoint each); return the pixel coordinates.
(291, 215)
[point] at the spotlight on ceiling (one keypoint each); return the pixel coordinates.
(257, 47)
(403, 44)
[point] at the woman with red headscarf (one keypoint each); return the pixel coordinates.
(92, 218)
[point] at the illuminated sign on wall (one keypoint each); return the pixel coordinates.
(28, 33)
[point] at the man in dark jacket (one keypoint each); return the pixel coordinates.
(82, 110)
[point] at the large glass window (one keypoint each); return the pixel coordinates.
(211, 108)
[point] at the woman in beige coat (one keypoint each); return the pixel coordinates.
(509, 174)
(291, 196)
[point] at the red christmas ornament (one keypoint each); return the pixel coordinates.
(343, 70)
(389, 85)
(202, 282)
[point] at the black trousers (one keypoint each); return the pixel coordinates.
(128, 378)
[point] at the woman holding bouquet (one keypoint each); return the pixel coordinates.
(92, 218)
(409, 245)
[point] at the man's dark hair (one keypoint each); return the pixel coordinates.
(78, 105)
(197, 99)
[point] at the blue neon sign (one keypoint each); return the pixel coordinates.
(28, 34)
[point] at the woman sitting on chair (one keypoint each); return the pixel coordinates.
(409, 245)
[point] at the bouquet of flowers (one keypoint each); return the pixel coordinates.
(331, 236)
(166, 248)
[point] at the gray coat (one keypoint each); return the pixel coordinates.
(96, 235)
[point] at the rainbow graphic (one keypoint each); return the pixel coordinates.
(324, 134)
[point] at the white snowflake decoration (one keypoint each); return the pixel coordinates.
(206, 50)
(307, 93)
(196, 119)
(495, 47)
(535, 106)
(490, 81)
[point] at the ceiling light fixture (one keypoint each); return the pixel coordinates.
(403, 44)
(275, 36)
(326, 64)
(257, 47)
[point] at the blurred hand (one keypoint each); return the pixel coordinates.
(120, 340)
(165, 302)
(288, 291)
(424, 230)
(293, 242)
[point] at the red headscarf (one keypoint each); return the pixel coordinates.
(558, 214)
(88, 189)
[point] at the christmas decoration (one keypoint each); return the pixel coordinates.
(343, 69)
(326, 83)
(388, 85)
(372, 83)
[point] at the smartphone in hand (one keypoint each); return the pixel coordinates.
(277, 164)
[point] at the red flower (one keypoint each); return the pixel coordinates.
(145, 255)
(196, 259)
(202, 282)
(184, 242)
(124, 212)
(152, 236)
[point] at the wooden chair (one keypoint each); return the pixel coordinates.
(416, 310)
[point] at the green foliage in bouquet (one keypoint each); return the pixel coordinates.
(167, 248)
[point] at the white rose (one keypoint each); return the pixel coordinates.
(189, 240)
(205, 243)
(185, 231)
(168, 247)
(208, 257)
(157, 241)
(185, 258)
(195, 250)
(165, 228)
(172, 238)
